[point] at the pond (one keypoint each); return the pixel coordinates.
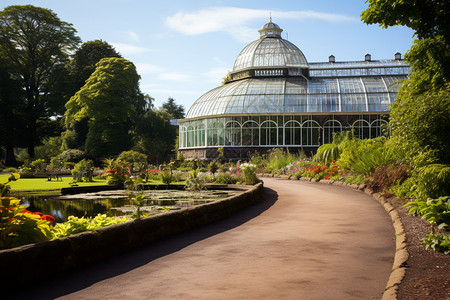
(117, 203)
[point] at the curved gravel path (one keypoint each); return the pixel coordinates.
(303, 241)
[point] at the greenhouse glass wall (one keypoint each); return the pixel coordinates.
(275, 98)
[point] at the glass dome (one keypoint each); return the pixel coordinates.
(270, 51)
(297, 95)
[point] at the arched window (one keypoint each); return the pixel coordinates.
(190, 136)
(250, 133)
(233, 133)
(361, 129)
(310, 133)
(215, 134)
(378, 128)
(292, 133)
(200, 136)
(329, 128)
(269, 131)
(183, 137)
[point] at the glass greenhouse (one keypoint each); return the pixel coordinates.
(275, 98)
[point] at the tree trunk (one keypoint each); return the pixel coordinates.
(10, 159)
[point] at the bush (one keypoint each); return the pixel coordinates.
(136, 161)
(83, 170)
(37, 165)
(249, 174)
(166, 177)
(386, 176)
(18, 226)
(432, 181)
(72, 155)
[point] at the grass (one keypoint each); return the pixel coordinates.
(29, 184)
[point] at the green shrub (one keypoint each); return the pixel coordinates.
(19, 226)
(435, 211)
(76, 225)
(72, 155)
(432, 181)
(136, 161)
(37, 165)
(438, 242)
(327, 153)
(83, 170)
(249, 174)
(166, 177)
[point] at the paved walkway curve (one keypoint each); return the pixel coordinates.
(303, 241)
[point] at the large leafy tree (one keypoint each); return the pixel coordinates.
(36, 43)
(428, 18)
(84, 61)
(420, 116)
(11, 112)
(110, 101)
(79, 69)
(174, 110)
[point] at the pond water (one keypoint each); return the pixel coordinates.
(117, 203)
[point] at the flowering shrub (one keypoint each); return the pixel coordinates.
(194, 182)
(117, 174)
(228, 178)
(249, 173)
(18, 226)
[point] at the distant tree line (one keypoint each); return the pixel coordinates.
(58, 92)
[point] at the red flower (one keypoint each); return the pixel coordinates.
(327, 177)
(48, 218)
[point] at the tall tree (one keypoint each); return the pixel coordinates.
(11, 118)
(110, 101)
(428, 18)
(420, 117)
(175, 111)
(36, 42)
(84, 61)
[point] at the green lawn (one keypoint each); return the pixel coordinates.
(25, 184)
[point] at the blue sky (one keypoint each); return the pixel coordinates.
(183, 48)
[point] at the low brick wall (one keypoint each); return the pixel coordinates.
(43, 260)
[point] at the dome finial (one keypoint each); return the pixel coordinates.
(270, 17)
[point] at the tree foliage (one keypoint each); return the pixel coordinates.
(175, 111)
(36, 43)
(109, 102)
(422, 122)
(426, 18)
(155, 134)
(84, 61)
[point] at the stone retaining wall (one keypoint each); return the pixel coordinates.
(43, 260)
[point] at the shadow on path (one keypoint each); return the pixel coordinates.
(80, 279)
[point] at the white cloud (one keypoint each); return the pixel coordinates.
(216, 75)
(127, 49)
(144, 68)
(234, 20)
(174, 76)
(130, 35)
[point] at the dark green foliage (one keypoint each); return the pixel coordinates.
(36, 43)
(174, 110)
(155, 134)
